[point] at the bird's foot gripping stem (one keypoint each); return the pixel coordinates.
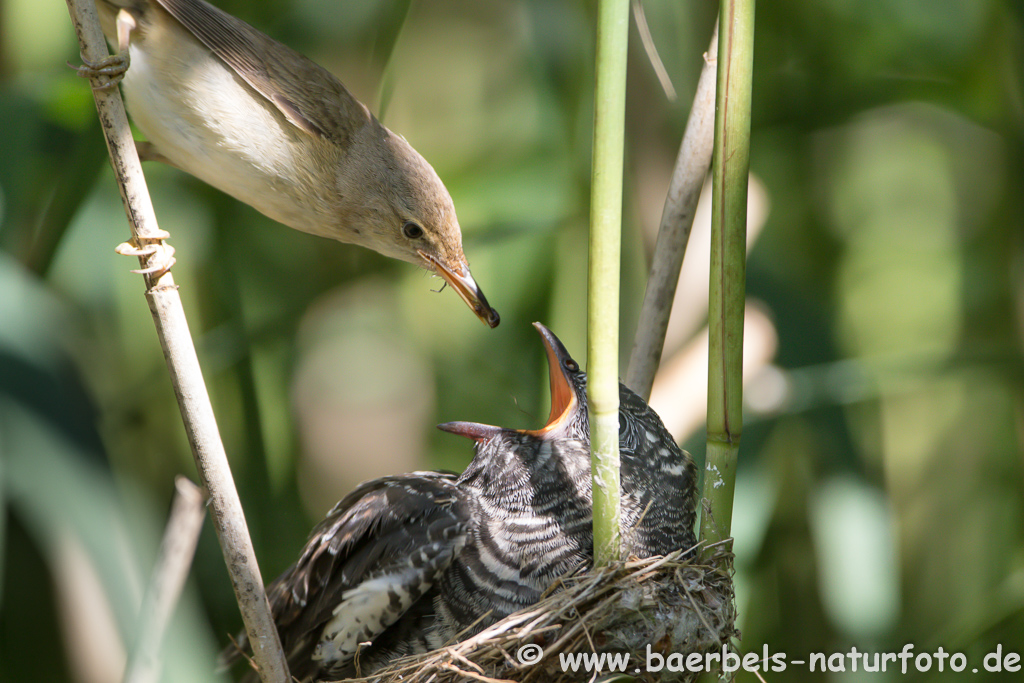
(110, 70)
(161, 255)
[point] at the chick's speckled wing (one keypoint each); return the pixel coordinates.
(307, 94)
(658, 482)
(377, 552)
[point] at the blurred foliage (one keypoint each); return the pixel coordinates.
(880, 497)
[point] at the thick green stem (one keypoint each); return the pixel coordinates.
(731, 164)
(603, 298)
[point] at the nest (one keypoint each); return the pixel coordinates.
(661, 605)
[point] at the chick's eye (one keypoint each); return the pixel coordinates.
(571, 365)
(412, 230)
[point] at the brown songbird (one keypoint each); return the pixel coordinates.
(257, 120)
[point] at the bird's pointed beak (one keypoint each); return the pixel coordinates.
(563, 395)
(471, 430)
(465, 286)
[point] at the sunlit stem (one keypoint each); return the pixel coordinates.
(731, 165)
(603, 297)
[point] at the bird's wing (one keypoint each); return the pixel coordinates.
(307, 94)
(376, 553)
(658, 482)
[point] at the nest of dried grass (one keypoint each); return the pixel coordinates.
(664, 603)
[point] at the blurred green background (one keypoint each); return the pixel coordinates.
(880, 493)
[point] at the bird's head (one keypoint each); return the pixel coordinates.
(407, 213)
(568, 385)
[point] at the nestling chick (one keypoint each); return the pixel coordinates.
(405, 563)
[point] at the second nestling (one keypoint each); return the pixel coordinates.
(257, 120)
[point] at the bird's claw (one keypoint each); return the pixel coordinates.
(112, 68)
(161, 256)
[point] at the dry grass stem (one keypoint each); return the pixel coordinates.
(691, 168)
(182, 363)
(172, 567)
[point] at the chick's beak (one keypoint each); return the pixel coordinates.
(563, 395)
(471, 430)
(465, 286)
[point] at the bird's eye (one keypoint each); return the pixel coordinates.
(412, 230)
(571, 365)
